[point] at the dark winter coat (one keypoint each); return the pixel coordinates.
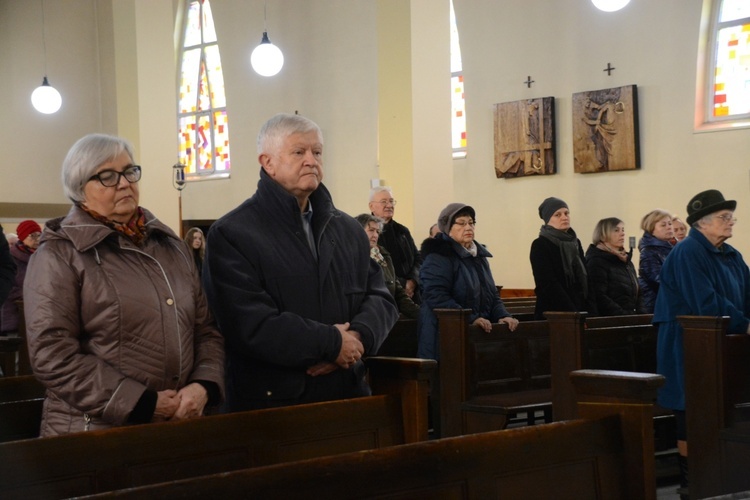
(613, 284)
(653, 254)
(276, 304)
(406, 306)
(397, 239)
(7, 268)
(452, 279)
(9, 314)
(552, 291)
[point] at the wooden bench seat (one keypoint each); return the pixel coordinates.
(717, 399)
(486, 378)
(90, 462)
(607, 454)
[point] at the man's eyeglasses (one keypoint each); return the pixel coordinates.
(387, 202)
(111, 178)
(463, 223)
(727, 218)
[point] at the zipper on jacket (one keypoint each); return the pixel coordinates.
(87, 424)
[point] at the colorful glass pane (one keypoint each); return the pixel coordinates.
(188, 80)
(202, 116)
(193, 25)
(215, 76)
(221, 141)
(459, 112)
(209, 32)
(731, 10)
(732, 73)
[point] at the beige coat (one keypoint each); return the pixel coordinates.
(107, 320)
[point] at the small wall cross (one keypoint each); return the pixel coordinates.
(528, 82)
(609, 69)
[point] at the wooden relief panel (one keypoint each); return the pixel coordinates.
(605, 130)
(525, 137)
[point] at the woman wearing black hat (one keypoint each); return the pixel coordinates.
(702, 276)
(455, 274)
(557, 262)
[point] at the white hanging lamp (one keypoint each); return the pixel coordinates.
(610, 5)
(45, 98)
(266, 58)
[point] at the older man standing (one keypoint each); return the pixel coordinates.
(290, 280)
(397, 239)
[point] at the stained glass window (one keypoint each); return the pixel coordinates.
(458, 104)
(729, 92)
(202, 107)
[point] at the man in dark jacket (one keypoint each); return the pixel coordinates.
(397, 239)
(291, 283)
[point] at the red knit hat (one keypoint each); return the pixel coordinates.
(27, 227)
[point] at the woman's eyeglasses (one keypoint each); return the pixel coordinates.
(111, 178)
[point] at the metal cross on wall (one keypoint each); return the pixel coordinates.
(609, 69)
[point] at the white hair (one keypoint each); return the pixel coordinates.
(282, 125)
(85, 156)
(380, 189)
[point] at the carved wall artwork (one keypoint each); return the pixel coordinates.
(605, 130)
(525, 137)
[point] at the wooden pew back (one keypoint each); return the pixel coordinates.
(91, 462)
(21, 400)
(604, 456)
(623, 343)
(485, 376)
(717, 398)
(402, 340)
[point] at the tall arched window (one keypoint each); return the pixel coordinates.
(202, 106)
(458, 104)
(727, 79)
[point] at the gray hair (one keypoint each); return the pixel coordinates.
(706, 219)
(86, 155)
(282, 125)
(365, 219)
(380, 189)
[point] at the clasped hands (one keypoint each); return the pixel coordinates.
(186, 403)
(351, 352)
(486, 324)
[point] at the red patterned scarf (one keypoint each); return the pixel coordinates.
(135, 229)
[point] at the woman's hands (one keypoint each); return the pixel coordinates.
(189, 402)
(486, 325)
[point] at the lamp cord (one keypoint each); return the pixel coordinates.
(265, 4)
(44, 40)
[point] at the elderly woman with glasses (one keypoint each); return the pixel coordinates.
(702, 276)
(118, 327)
(455, 274)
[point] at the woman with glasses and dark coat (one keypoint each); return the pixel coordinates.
(557, 262)
(118, 327)
(455, 274)
(702, 276)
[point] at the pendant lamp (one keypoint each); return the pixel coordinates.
(267, 58)
(610, 5)
(45, 98)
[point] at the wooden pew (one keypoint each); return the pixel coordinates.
(717, 398)
(486, 378)
(21, 401)
(402, 340)
(608, 454)
(90, 462)
(623, 343)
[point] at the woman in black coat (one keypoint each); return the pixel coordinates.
(557, 262)
(613, 283)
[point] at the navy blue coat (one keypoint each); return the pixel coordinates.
(697, 279)
(276, 304)
(653, 254)
(451, 278)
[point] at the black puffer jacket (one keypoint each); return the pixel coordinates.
(613, 284)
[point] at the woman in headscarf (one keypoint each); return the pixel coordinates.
(557, 262)
(455, 274)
